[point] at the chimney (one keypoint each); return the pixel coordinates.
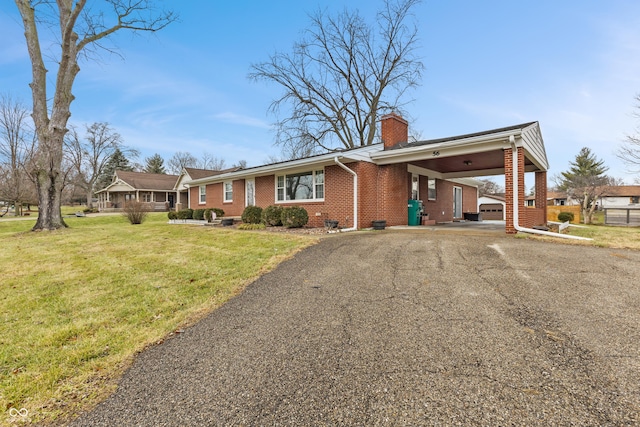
(394, 130)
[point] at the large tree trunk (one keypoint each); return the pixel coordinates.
(49, 181)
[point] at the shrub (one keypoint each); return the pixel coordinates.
(198, 214)
(565, 216)
(185, 214)
(272, 215)
(294, 217)
(252, 215)
(219, 212)
(172, 215)
(248, 226)
(135, 212)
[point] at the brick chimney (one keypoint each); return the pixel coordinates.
(394, 130)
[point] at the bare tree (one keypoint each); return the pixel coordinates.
(489, 186)
(16, 151)
(210, 162)
(181, 160)
(89, 156)
(343, 75)
(79, 30)
(630, 152)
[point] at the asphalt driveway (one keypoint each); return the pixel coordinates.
(406, 328)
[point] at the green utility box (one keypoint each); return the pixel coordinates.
(415, 212)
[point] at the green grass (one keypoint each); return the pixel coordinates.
(77, 304)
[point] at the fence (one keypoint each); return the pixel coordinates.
(622, 216)
(553, 211)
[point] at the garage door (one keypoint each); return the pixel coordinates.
(492, 211)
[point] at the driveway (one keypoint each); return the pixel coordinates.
(406, 328)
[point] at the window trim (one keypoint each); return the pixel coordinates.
(202, 194)
(224, 192)
(314, 185)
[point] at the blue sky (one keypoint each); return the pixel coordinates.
(572, 65)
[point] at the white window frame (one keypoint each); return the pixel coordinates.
(314, 185)
(224, 191)
(435, 188)
(202, 194)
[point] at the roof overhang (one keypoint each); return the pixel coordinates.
(292, 166)
(474, 155)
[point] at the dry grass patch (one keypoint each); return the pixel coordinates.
(77, 304)
(602, 235)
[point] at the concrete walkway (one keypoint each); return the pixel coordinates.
(405, 328)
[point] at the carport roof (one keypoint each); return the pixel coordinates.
(474, 154)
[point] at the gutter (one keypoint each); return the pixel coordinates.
(516, 205)
(355, 194)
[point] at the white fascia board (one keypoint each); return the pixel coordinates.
(113, 184)
(471, 182)
(360, 154)
(458, 147)
(424, 172)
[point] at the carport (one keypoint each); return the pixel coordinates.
(510, 151)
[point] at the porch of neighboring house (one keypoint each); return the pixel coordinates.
(114, 201)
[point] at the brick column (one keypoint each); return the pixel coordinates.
(508, 191)
(508, 186)
(541, 194)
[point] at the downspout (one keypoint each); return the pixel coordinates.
(516, 204)
(355, 195)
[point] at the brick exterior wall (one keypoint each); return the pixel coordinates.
(383, 192)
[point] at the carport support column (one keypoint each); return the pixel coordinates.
(541, 194)
(508, 185)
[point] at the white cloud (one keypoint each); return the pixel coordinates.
(240, 119)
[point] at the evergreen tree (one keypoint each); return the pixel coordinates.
(117, 161)
(585, 181)
(154, 164)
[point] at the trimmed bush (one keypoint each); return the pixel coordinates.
(219, 212)
(294, 217)
(248, 226)
(185, 214)
(565, 216)
(272, 215)
(172, 215)
(252, 215)
(198, 214)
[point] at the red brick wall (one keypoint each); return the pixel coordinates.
(383, 192)
(394, 184)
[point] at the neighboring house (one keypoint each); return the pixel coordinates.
(154, 189)
(181, 186)
(375, 182)
(620, 196)
(492, 207)
(559, 198)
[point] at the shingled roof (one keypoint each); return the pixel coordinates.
(148, 181)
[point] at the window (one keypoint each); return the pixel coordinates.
(228, 191)
(415, 187)
(146, 197)
(431, 185)
(203, 194)
(635, 199)
(300, 186)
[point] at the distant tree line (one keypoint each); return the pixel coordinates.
(90, 158)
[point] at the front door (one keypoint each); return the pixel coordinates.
(250, 192)
(457, 202)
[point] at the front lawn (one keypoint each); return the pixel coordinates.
(77, 304)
